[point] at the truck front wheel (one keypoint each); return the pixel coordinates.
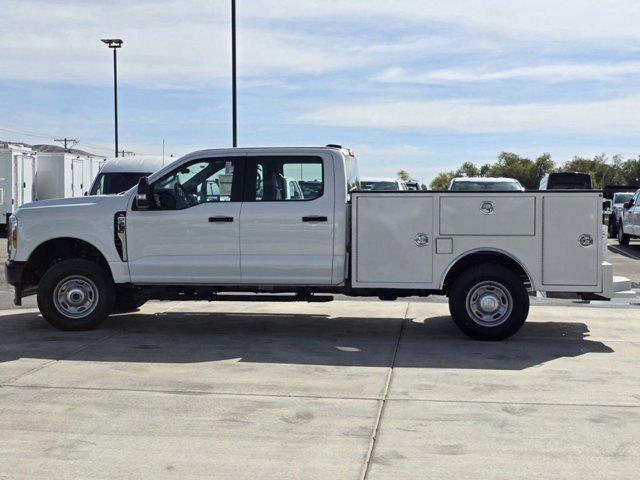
(489, 302)
(75, 294)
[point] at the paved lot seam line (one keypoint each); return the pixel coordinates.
(385, 393)
(495, 402)
(188, 392)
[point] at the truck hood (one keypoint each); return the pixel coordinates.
(94, 201)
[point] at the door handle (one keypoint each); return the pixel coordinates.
(314, 218)
(220, 219)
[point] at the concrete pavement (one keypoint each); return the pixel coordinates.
(340, 390)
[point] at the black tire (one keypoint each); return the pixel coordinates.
(613, 228)
(100, 289)
(127, 301)
(623, 238)
(509, 292)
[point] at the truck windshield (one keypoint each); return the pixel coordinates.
(366, 185)
(115, 182)
(488, 186)
(622, 197)
(569, 181)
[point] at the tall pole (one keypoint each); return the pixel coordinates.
(114, 44)
(115, 94)
(234, 101)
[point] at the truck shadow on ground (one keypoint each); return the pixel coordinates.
(630, 251)
(295, 339)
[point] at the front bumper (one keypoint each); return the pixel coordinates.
(13, 272)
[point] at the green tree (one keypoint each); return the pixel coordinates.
(630, 171)
(404, 175)
(603, 171)
(442, 181)
(543, 165)
(468, 169)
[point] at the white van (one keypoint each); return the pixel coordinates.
(120, 174)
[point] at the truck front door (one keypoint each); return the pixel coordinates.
(192, 236)
(287, 221)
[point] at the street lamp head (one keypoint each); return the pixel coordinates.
(112, 42)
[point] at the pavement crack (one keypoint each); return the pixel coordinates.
(374, 434)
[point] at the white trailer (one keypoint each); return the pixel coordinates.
(17, 173)
(63, 175)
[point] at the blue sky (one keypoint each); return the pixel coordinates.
(419, 85)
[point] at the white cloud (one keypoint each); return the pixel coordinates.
(182, 44)
(551, 73)
(611, 117)
(185, 44)
(541, 19)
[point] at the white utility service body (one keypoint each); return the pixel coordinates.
(17, 177)
(486, 250)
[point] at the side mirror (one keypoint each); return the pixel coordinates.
(144, 197)
(628, 204)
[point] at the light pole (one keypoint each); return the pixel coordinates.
(114, 44)
(234, 103)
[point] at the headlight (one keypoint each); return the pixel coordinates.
(12, 236)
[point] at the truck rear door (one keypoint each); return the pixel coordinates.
(287, 231)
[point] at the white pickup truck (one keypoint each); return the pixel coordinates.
(220, 220)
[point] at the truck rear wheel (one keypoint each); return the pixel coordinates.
(75, 294)
(489, 302)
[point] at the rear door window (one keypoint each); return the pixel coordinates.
(284, 179)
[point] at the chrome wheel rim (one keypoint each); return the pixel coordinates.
(75, 297)
(489, 304)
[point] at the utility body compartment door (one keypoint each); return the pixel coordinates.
(567, 218)
(488, 214)
(392, 240)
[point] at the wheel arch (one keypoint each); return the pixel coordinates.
(61, 248)
(485, 255)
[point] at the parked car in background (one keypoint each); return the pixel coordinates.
(566, 181)
(377, 184)
(488, 184)
(120, 174)
(629, 226)
(413, 185)
(310, 188)
(616, 211)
